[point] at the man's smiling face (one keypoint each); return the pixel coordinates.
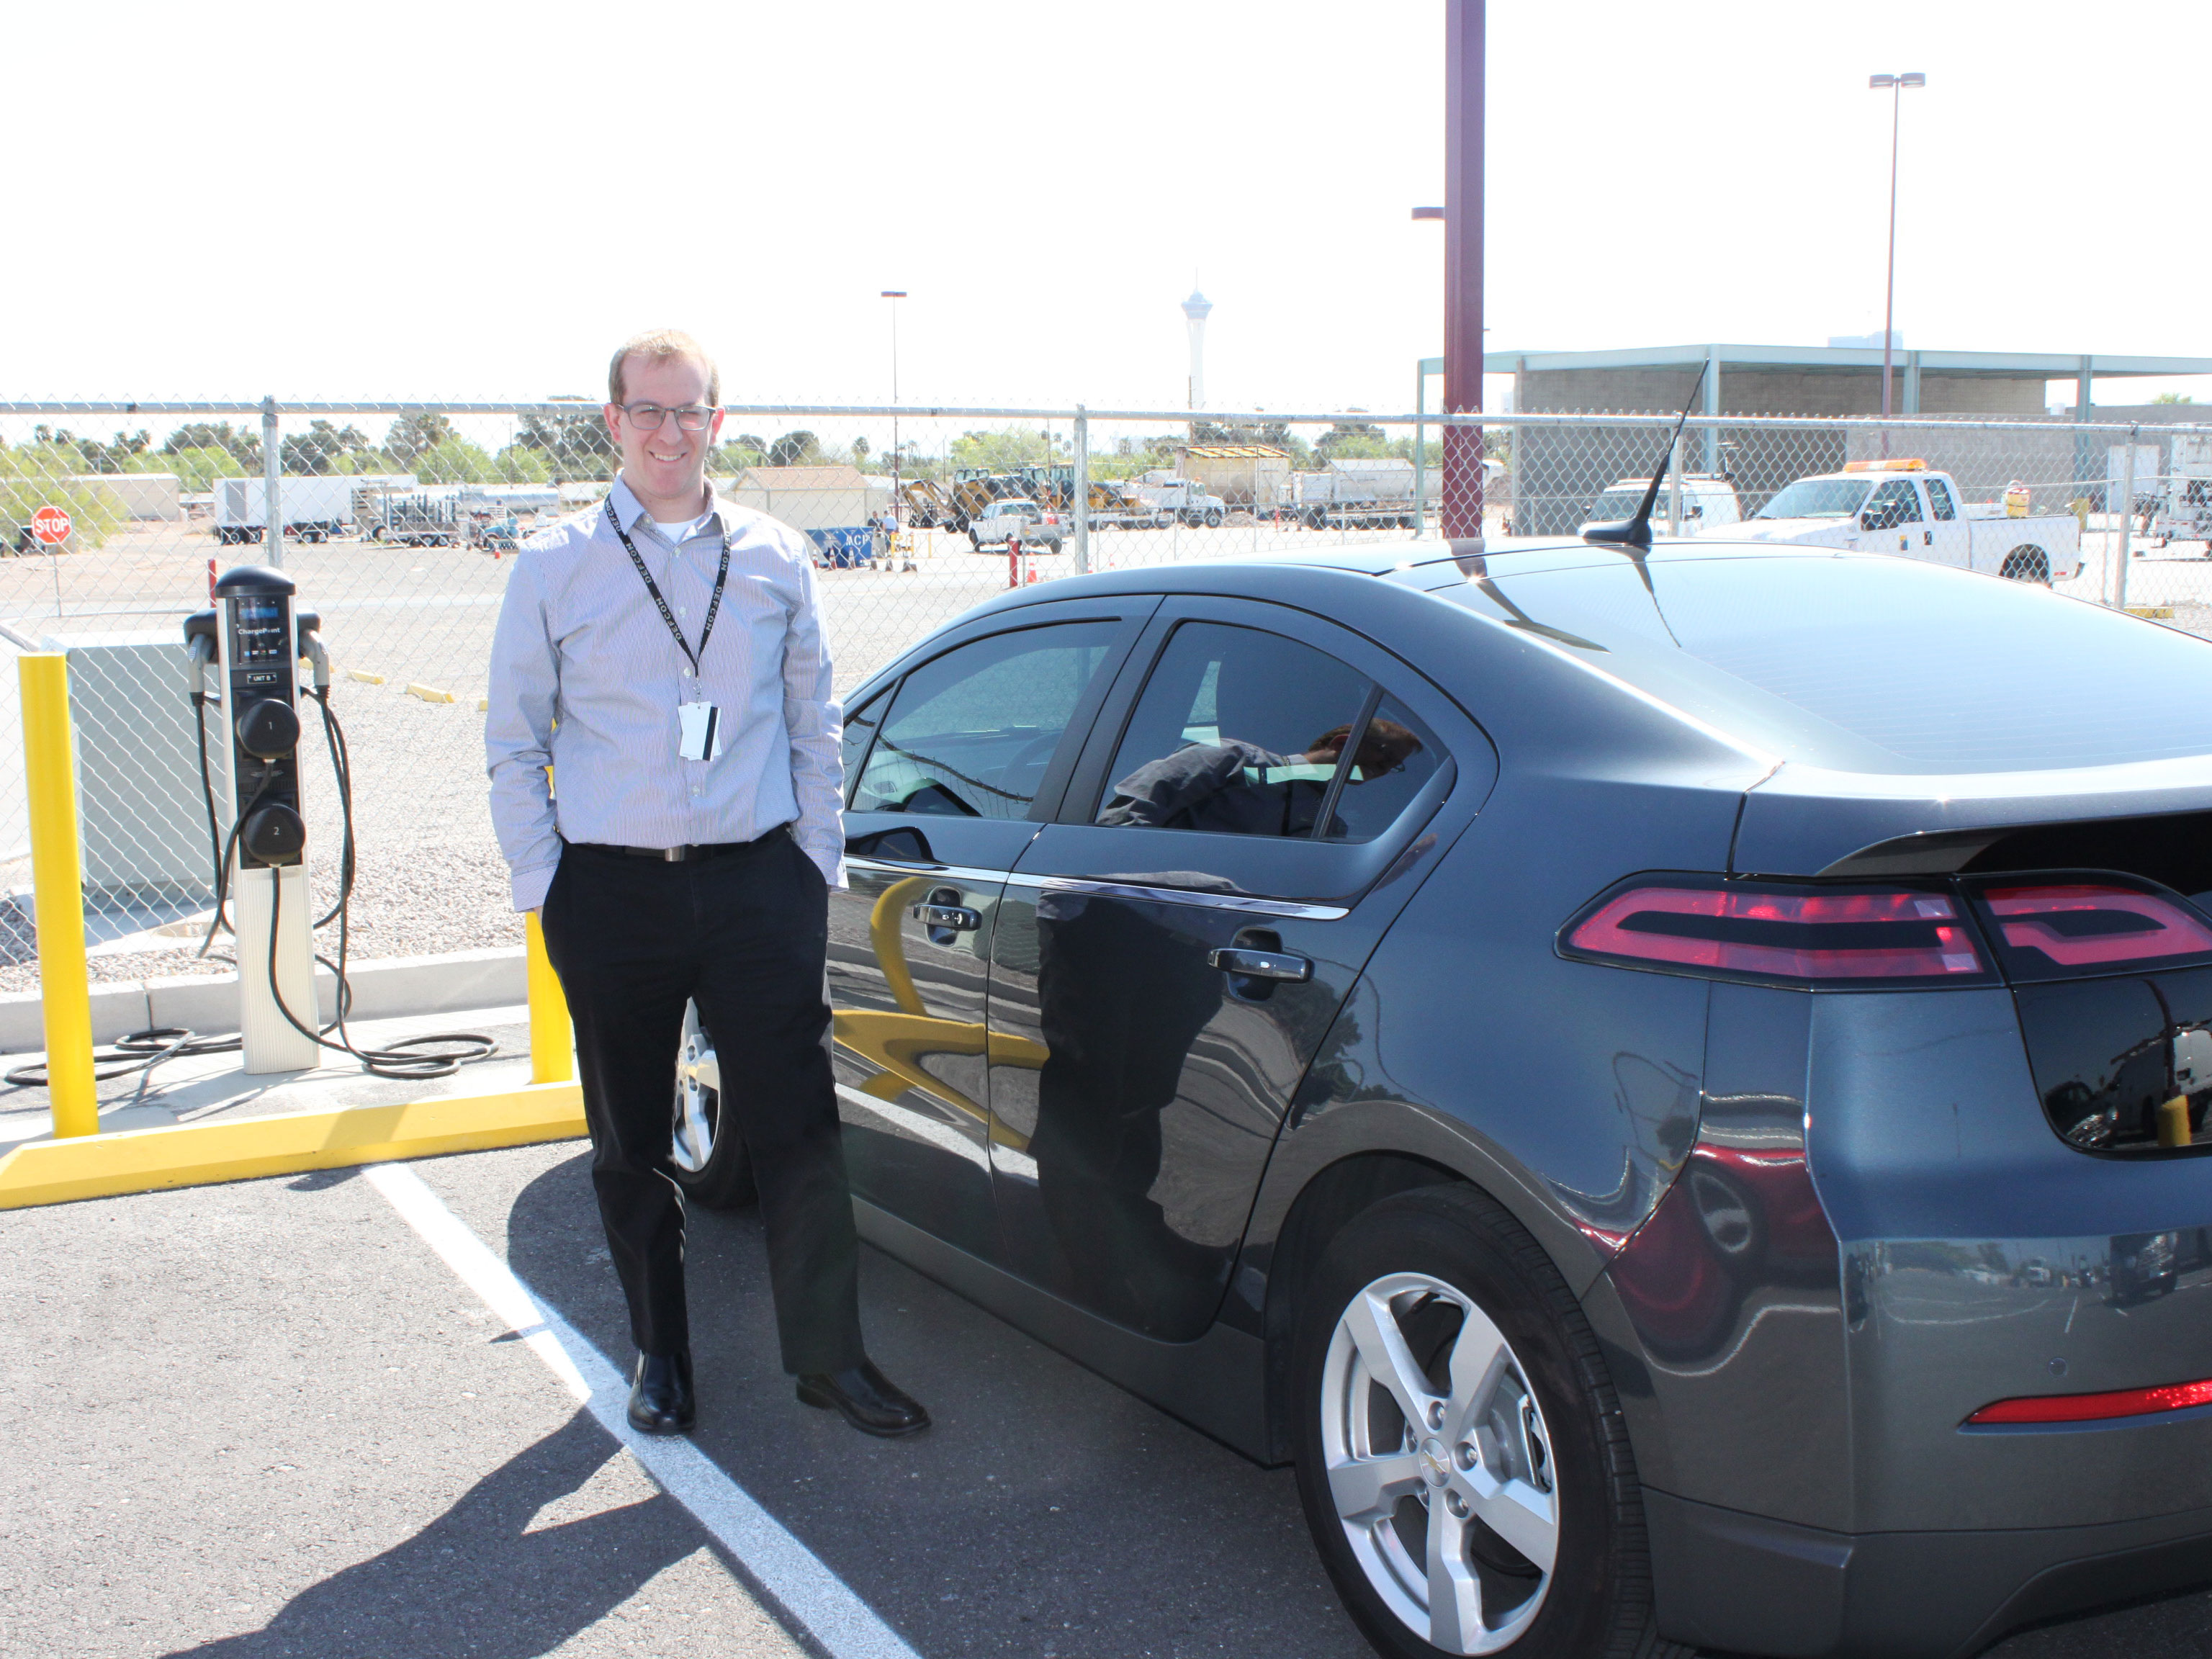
(667, 466)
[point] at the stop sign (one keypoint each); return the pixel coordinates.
(49, 525)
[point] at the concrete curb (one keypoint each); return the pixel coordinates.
(389, 990)
(200, 1154)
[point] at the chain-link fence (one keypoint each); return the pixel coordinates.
(400, 522)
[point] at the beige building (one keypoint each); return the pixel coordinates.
(839, 497)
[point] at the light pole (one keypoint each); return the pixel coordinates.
(1895, 85)
(1464, 24)
(894, 295)
(1435, 215)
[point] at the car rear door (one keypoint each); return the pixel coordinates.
(1170, 954)
(952, 768)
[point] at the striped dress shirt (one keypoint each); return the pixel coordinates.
(586, 677)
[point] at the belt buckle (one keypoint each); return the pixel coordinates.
(675, 855)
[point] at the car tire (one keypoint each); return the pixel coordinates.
(1530, 1434)
(1213, 519)
(708, 1160)
(974, 541)
(2027, 564)
(1053, 546)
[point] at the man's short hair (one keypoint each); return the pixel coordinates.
(662, 343)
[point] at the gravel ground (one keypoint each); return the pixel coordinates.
(430, 878)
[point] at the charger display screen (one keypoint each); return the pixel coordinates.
(260, 630)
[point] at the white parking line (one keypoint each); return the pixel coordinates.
(844, 1625)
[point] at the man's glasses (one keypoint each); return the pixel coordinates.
(692, 417)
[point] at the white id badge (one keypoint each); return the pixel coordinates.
(699, 728)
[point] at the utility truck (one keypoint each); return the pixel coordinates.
(1186, 499)
(1902, 506)
(1015, 524)
(1707, 503)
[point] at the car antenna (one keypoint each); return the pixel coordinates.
(1637, 532)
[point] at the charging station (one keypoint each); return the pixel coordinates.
(256, 639)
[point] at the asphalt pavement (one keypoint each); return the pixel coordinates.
(268, 1420)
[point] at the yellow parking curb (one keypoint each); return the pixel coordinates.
(429, 693)
(364, 677)
(200, 1154)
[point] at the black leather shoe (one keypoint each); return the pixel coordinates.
(660, 1399)
(866, 1398)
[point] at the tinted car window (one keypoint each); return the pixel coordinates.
(1237, 731)
(1939, 500)
(971, 733)
(1895, 503)
(1875, 665)
(860, 730)
(1395, 758)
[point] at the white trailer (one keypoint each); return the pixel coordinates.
(316, 507)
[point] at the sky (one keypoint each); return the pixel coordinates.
(476, 201)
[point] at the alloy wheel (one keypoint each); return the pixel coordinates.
(1439, 1463)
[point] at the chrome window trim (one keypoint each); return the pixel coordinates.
(1243, 903)
(947, 872)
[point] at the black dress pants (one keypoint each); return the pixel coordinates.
(744, 935)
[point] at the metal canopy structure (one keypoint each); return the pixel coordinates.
(1717, 358)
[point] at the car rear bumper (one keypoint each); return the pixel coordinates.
(1745, 1583)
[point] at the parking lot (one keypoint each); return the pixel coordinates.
(269, 1419)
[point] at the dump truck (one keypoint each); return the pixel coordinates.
(1354, 494)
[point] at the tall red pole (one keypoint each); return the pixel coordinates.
(1463, 84)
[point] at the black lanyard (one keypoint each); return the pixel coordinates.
(666, 615)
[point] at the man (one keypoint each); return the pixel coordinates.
(664, 655)
(1239, 788)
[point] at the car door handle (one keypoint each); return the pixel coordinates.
(1260, 964)
(952, 918)
(1928, 538)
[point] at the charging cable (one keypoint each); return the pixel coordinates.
(403, 1059)
(141, 1051)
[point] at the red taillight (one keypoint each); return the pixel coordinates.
(1792, 934)
(2089, 927)
(2094, 1407)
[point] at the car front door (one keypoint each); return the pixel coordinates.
(1948, 539)
(1892, 521)
(951, 767)
(1250, 812)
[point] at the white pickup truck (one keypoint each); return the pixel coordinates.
(1900, 506)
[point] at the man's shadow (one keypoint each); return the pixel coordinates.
(476, 1582)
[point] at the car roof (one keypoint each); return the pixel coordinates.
(1861, 663)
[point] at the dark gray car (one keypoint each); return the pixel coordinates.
(1672, 1086)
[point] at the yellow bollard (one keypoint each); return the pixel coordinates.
(50, 780)
(552, 1039)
